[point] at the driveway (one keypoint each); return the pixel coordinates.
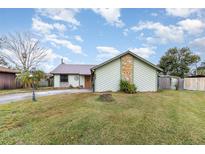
(22, 96)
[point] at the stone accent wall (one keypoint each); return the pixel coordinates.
(127, 62)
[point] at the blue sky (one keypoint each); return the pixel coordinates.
(90, 36)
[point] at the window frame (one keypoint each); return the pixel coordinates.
(63, 78)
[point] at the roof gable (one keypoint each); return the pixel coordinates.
(127, 52)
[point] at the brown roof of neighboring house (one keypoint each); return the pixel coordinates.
(7, 70)
(73, 69)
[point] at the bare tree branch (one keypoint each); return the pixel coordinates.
(22, 50)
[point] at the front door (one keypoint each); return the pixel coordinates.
(87, 82)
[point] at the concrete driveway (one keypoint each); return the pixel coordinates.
(22, 96)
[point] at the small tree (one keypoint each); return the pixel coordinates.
(26, 79)
(177, 61)
(38, 75)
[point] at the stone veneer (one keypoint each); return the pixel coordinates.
(127, 62)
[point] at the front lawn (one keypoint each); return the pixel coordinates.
(167, 117)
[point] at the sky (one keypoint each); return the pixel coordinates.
(91, 36)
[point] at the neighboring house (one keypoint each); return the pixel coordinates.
(127, 66)
(72, 75)
(8, 78)
(46, 81)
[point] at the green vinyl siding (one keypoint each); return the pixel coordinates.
(145, 76)
(108, 77)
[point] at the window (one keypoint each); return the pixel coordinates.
(63, 78)
(76, 78)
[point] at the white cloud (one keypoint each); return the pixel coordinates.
(192, 26)
(143, 52)
(170, 33)
(105, 53)
(46, 31)
(60, 27)
(66, 15)
(141, 34)
(43, 27)
(50, 60)
(163, 34)
(111, 15)
(47, 68)
(185, 12)
(198, 45)
(78, 38)
(107, 50)
(39, 25)
(74, 48)
(125, 32)
(199, 42)
(151, 40)
(154, 14)
(52, 56)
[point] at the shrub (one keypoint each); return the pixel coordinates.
(127, 87)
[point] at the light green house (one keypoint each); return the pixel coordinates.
(127, 66)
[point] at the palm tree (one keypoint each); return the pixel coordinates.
(38, 75)
(25, 78)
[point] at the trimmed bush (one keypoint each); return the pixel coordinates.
(127, 87)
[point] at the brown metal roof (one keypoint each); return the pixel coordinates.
(7, 70)
(73, 69)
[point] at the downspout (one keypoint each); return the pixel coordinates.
(68, 80)
(79, 80)
(157, 74)
(93, 80)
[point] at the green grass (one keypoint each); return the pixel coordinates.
(167, 117)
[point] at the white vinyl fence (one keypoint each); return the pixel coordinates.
(195, 83)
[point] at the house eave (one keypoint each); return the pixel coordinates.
(122, 54)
